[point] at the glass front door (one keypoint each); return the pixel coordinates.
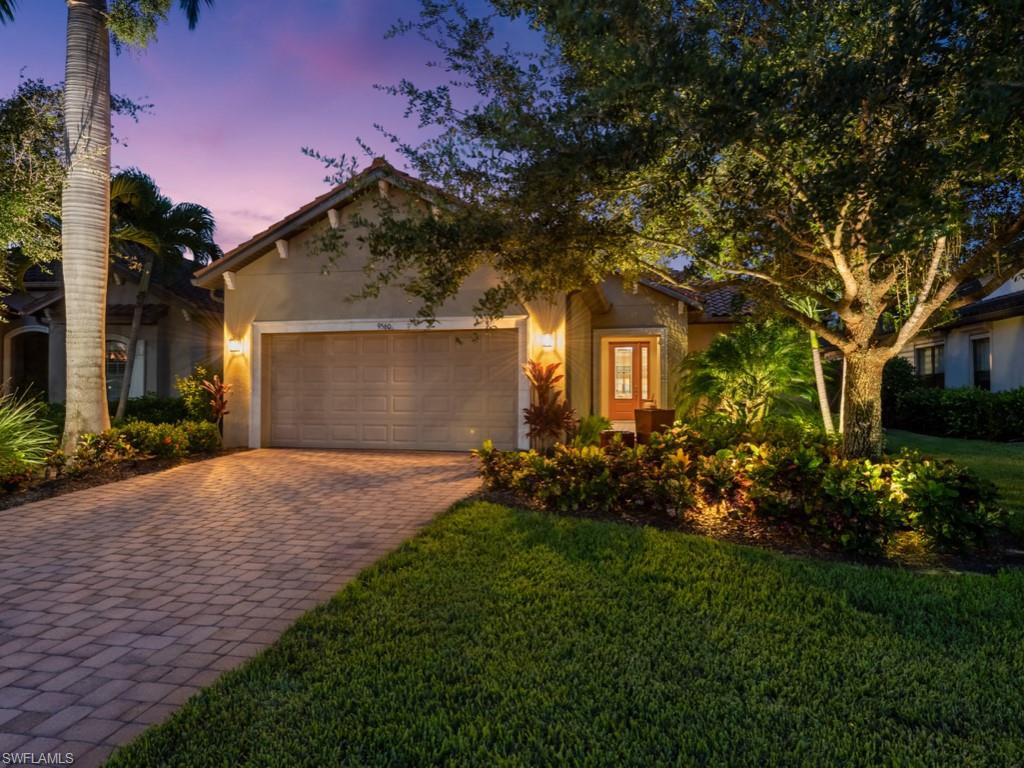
(629, 372)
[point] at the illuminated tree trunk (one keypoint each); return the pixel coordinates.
(85, 213)
(862, 416)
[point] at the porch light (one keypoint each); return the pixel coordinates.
(234, 346)
(547, 341)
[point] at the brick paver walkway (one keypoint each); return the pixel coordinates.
(119, 602)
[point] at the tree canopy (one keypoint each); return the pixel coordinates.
(864, 155)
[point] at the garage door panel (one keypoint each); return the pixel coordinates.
(411, 390)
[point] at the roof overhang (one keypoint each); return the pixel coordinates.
(212, 275)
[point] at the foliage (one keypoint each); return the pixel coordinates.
(548, 416)
(100, 451)
(865, 156)
(587, 430)
(964, 412)
(201, 436)
(26, 437)
(898, 380)
(760, 367)
(31, 174)
(578, 640)
(155, 409)
(178, 234)
(218, 392)
(950, 504)
(166, 441)
(134, 22)
(998, 463)
(195, 397)
(802, 486)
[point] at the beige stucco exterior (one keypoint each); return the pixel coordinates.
(304, 293)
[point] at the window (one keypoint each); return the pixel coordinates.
(928, 363)
(117, 361)
(623, 373)
(644, 388)
(981, 356)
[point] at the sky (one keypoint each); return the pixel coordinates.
(235, 99)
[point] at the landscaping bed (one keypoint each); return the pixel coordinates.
(506, 637)
(110, 473)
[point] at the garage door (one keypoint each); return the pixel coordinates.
(432, 390)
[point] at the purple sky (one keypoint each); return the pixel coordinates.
(236, 99)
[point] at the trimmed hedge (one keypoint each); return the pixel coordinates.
(966, 412)
(855, 505)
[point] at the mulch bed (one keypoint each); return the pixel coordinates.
(718, 524)
(46, 489)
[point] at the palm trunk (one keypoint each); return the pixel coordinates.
(85, 210)
(863, 405)
(133, 337)
(819, 379)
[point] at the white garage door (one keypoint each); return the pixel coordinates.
(432, 390)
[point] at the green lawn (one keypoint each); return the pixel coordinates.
(1002, 463)
(500, 637)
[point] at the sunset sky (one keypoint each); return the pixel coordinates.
(235, 99)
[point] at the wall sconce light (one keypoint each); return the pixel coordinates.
(234, 346)
(547, 341)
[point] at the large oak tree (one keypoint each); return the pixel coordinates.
(863, 156)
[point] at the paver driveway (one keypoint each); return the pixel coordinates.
(118, 602)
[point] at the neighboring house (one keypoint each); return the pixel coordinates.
(181, 326)
(311, 368)
(982, 347)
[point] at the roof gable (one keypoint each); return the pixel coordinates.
(316, 210)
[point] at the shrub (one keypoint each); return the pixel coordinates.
(195, 398)
(758, 368)
(855, 505)
(155, 409)
(965, 412)
(588, 431)
(201, 436)
(26, 436)
(952, 506)
(100, 450)
(166, 441)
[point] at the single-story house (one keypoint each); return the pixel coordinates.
(181, 326)
(983, 346)
(311, 368)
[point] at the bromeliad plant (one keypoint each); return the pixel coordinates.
(549, 416)
(219, 400)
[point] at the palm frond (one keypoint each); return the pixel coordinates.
(191, 9)
(7, 10)
(129, 233)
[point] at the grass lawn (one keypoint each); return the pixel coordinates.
(501, 637)
(1002, 463)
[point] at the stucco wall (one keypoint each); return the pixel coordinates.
(307, 287)
(702, 334)
(630, 310)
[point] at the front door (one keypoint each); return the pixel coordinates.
(630, 373)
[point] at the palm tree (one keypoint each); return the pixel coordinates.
(166, 232)
(85, 205)
(756, 369)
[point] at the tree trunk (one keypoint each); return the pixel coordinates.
(85, 210)
(133, 337)
(862, 416)
(819, 379)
